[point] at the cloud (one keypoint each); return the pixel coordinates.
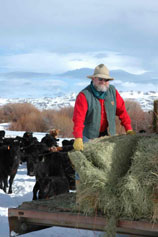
(57, 63)
(131, 86)
(56, 18)
(50, 13)
(56, 36)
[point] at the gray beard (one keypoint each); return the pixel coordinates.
(101, 88)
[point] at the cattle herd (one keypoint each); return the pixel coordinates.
(45, 160)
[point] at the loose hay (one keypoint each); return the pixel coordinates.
(138, 187)
(118, 177)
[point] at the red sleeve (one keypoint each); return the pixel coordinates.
(122, 113)
(80, 110)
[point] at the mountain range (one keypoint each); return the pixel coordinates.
(82, 74)
(47, 90)
(116, 74)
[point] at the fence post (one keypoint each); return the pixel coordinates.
(155, 116)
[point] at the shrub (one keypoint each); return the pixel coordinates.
(25, 116)
(139, 118)
(12, 112)
(30, 122)
(60, 119)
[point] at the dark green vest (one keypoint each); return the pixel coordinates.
(93, 116)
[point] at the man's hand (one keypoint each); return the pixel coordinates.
(131, 132)
(78, 144)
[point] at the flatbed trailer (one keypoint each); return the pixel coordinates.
(62, 211)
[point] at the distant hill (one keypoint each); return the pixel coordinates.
(36, 84)
(117, 74)
(82, 73)
(78, 73)
(123, 75)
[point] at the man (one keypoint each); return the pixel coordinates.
(96, 107)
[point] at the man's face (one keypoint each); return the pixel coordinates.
(100, 84)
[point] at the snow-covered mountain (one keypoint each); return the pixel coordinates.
(145, 99)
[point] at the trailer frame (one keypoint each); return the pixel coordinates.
(23, 221)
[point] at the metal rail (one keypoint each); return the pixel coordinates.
(23, 221)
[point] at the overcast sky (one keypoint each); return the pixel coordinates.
(55, 36)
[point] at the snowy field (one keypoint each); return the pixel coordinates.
(22, 191)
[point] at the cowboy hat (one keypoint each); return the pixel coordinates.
(102, 72)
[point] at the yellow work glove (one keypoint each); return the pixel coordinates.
(130, 132)
(78, 144)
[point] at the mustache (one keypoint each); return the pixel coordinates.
(101, 88)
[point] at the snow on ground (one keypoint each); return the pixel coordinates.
(145, 99)
(22, 191)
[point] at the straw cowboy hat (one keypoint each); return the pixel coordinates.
(101, 71)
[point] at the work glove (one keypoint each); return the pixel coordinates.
(78, 144)
(130, 132)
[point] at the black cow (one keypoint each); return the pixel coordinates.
(67, 145)
(142, 131)
(26, 141)
(50, 186)
(32, 154)
(9, 162)
(49, 140)
(68, 168)
(52, 172)
(2, 134)
(50, 164)
(28, 138)
(59, 164)
(66, 142)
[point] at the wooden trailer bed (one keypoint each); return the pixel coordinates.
(62, 211)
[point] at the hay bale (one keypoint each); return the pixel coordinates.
(139, 186)
(119, 177)
(100, 166)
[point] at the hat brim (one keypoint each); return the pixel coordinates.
(101, 76)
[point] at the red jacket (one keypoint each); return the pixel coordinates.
(81, 107)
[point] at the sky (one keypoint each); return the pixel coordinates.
(54, 36)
